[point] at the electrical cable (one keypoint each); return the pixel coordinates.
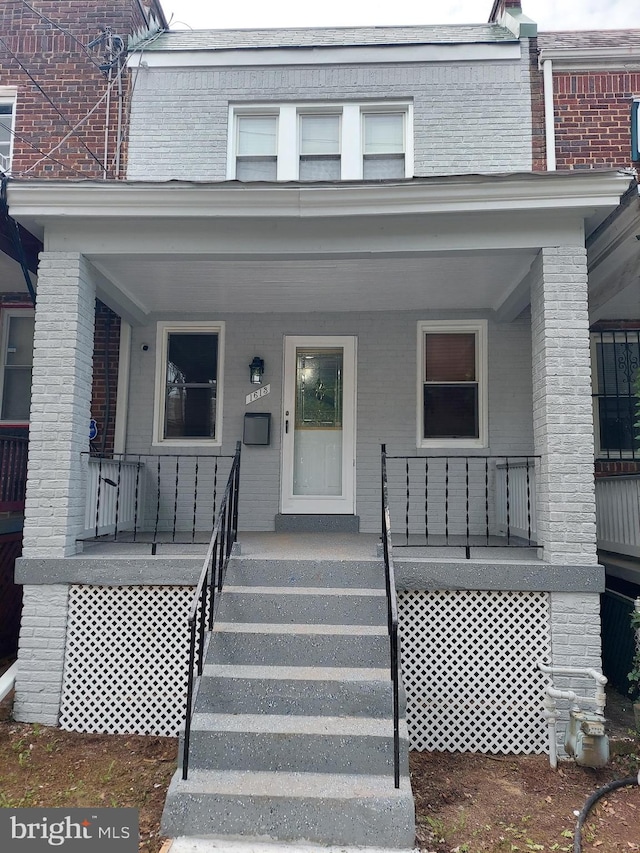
(26, 140)
(46, 96)
(62, 30)
(610, 786)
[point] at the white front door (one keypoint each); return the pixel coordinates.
(319, 418)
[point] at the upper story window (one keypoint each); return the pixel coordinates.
(452, 404)
(320, 142)
(7, 110)
(16, 360)
(616, 366)
(189, 383)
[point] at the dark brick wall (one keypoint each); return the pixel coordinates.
(67, 73)
(593, 119)
(106, 348)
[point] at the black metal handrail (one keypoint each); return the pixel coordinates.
(465, 501)
(392, 615)
(211, 579)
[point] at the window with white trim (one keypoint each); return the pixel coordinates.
(16, 361)
(452, 405)
(189, 383)
(616, 370)
(7, 115)
(320, 142)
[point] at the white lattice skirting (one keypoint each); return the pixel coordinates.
(468, 664)
(126, 659)
(469, 670)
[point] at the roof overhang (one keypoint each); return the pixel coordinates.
(592, 58)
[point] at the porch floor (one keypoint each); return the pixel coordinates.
(316, 546)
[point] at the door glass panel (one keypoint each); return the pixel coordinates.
(317, 463)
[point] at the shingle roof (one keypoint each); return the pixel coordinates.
(329, 37)
(589, 39)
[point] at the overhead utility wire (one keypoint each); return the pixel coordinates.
(26, 139)
(79, 124)
(48, 98)
(63, 30)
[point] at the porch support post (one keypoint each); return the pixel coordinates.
(60, 405)
(55, 501)
(562, 409)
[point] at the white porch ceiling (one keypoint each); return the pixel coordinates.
(204, 284)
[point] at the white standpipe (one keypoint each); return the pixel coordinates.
(552, 694)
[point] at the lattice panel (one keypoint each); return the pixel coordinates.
(126, 659)
(469, 670)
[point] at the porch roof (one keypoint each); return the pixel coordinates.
(454, 243)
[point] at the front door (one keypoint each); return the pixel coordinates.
(318, 441)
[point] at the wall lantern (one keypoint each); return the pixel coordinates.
(256, 370)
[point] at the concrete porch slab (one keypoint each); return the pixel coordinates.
(209, 845)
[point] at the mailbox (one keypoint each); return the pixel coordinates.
(257, 428)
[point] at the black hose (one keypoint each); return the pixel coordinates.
(610, 786)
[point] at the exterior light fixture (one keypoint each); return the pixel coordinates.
(256, 370)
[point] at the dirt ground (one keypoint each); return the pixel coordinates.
(465, 803)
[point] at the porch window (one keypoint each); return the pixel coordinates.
(188, 385)
(452, 406)
(616, 358)
(16, 360)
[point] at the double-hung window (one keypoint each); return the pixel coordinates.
(7, 114)
(16, 360)
(189, 383)
(452, 408)
(256, 147)
(616, 368)
(320, 142)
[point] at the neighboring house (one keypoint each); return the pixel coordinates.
(591, 103)
(62, 116)
(328, 240)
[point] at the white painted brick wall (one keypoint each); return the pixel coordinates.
(41, 654)
(562, 409)
(386, 385)
(468, 117)
(575, 641)
(60, 405)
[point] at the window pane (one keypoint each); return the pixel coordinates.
(20, 341)
(617, 365)
(451, 411)
(256, 169)
(319, 169)
(319, 134)
(192, 373)
(256, 136)
(16, 394)
(383, 133)
(450, 357)
(616, 415)
(380, 167)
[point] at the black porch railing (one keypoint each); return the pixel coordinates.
(13, 472)
(392, 616)
(464, 501)
(210, 583)
(154, 497)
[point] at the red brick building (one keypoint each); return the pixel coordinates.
(63, 114)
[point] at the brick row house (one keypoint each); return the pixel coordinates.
(63, 115)
(327, 241)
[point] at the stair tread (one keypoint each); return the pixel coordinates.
(290, 784)
(306, 590)
(301, 628)
(293, 724)
(300, 673)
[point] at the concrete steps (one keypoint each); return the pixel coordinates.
(292, 732)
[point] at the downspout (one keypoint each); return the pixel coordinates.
(549, 123)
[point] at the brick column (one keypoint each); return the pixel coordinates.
(562, 409)
(60, 405)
